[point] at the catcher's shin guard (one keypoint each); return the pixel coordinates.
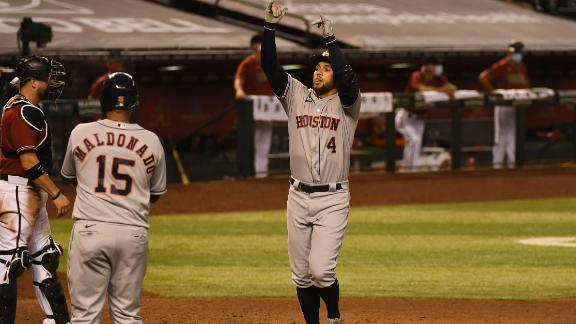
(8, 302)
(12, 265)
(46, 284)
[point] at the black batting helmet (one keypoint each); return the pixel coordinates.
(42, 69)
(320, 57)
(516, 47)
(119, 92)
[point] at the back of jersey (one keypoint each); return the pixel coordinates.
(117, 166)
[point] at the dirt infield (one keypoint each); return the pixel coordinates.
(367, 189)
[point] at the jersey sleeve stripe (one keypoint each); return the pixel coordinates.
(68, 176)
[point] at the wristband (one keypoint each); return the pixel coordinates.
(56, 195)
(35, 171)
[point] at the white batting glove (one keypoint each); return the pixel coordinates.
(274, 12)
(325, 26)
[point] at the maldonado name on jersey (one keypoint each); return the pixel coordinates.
(317, 121)
(119, 140)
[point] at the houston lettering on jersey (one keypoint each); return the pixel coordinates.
(317, 121)
(119, 140)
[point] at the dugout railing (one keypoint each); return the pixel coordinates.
(69, 112)
(522, 99)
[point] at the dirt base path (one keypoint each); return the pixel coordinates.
(367, 189)
(160, 310)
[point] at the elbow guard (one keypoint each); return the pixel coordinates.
(35, 171)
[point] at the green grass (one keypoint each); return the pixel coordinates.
(465, 250)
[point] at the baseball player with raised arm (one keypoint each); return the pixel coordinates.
(120, 168)
(321, 126)
(508, 73)
(25, 186)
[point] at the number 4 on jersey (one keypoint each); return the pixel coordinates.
(332, 144)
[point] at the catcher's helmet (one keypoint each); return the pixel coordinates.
(119, 92)
(516, 47)
(320, 57)
(42, 69)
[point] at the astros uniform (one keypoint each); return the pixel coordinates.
(117, 166)
(321, 126)
(321, 136)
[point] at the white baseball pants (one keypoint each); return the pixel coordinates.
(262, 142)
(30, 228)
(412, 129)
(504, 136)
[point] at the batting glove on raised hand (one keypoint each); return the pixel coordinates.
(274, 12)
(325, 26)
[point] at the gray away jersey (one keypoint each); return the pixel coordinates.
(117, 166)
(321, 133)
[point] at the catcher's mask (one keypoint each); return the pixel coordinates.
(42, 69)
(119, 92)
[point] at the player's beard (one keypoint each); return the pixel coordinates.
(42, 91)
(323, 88)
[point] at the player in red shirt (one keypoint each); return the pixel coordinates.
(508, 73)
(25, 186)
(251, 80)
(114, 64)
(410, 122)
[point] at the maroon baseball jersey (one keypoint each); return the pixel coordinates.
(24, 129)
(255, 81)
(418, 77)
(507, 75)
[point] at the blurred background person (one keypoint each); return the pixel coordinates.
(251, 80)
(508, 73)
(114, 63)
(411, 122)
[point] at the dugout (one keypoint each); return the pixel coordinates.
(184, 54)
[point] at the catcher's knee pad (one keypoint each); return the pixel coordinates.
(14, 265)
(7, 303)
(48, 259)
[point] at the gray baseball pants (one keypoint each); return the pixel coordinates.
(106, 259)
(316, 225)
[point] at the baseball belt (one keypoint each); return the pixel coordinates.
(17, 180)
(312, 189)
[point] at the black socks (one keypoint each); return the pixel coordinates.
(309, 299)
(331, 295)
(310, 304)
